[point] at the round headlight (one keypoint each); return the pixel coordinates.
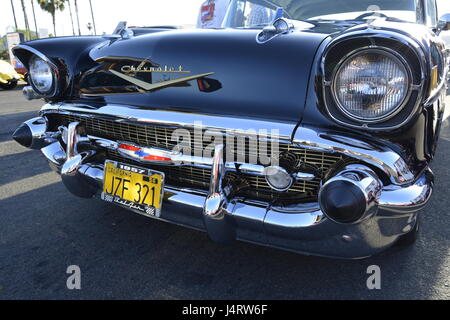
(371, 85)
(41, 75)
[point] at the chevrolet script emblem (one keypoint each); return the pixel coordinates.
(127, 70)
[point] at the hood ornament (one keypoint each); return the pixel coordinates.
(121, 32)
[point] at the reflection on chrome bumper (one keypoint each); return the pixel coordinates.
(304, 228)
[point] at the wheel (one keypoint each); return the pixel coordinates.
(8, 86)
(408, 239)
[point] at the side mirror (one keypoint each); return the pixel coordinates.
(444, 23)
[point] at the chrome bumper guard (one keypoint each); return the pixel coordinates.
(302, 228)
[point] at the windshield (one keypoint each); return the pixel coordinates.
(257, 13)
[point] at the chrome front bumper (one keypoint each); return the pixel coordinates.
(302, 228)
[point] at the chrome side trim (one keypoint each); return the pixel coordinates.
(387, 160)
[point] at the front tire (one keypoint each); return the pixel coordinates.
(8, 86)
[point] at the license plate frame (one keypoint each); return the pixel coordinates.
(125, 196)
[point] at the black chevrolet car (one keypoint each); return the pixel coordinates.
(305, 125)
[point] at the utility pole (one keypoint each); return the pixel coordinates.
(14, 14)
(78, 18)
(71, 16)
(34, 17)
(93, 19)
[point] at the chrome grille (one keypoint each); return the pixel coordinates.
(144, 135)
(158, 136)
(200, 177)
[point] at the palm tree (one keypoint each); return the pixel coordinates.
(34, 17)
(14, 14)
(78, 18)
(71, 17)
(25, 17)
(52, 6)
(93, 19)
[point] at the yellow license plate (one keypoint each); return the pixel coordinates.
(133, 187)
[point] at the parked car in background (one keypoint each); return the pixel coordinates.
(8, 76)
(305, 125)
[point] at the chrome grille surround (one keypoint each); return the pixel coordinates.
(151, 135)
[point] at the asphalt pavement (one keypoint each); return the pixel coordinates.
(121, 255)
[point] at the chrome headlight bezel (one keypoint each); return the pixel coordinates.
(389, 53)
(54, 71)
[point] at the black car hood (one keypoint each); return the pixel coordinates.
(241, 77)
